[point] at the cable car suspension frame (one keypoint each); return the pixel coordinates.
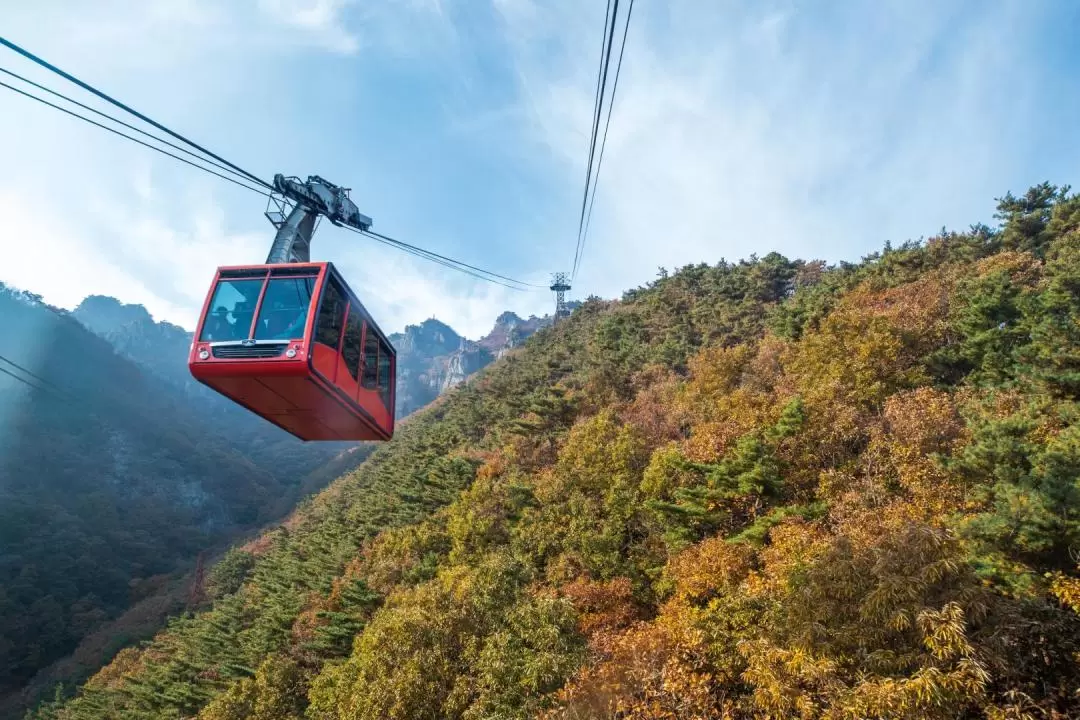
(294, 208)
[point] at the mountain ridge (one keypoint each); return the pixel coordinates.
(128, 485)
(432, 356)
(157, 352)
(764, 488)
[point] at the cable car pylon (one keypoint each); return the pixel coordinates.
(560, 285)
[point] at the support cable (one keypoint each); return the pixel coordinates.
(609, 32)
(229, 167)
(118, 121)
(131, 138)
(26, 382)
(447, 262)
(37, 377)
(603, 142)
(597, 104)
(89, 88)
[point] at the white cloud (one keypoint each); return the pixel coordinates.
(746, 127)
(174, 257)
(401, 290)
(739, 127)
(323, 20)
(52, 258)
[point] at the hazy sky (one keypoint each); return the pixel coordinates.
(814, 129)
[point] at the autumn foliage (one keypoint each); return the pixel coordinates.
(772, 489)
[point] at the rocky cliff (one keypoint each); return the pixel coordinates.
(432, 358)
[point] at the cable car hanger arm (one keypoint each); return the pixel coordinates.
(296, 224)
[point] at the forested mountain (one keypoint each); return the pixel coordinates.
(432, 358)
(107, 480)
(768, 488)
(93, 551)
(161, 349)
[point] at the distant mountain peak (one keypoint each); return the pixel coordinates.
(431, 337)
(104, 314)
(510, 331)
(507, 318)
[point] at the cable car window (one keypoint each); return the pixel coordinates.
(231, 310)
(384, 373)
(350, 349)
(371, 361)
(284, 310)
(331, 315)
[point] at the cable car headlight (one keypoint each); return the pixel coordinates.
(290, 353)
(204, 354)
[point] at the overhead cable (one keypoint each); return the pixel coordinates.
(456, 262)
(447, 262)
(221, 163)
(131, 138)
(37, 377)
(23, 380)
(595, 123)
(605, 59)
(118, 121)
(603, 142)
(67, 76)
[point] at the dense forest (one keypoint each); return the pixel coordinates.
(120, 441)
(112, 481)
(767, 488)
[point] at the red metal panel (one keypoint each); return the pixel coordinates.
(325, 360)
(296, 394)
(301, 405)
(343, 379)
(373, 404)
(316, 295)
(256, 392)
(391, 411)
(202, 315)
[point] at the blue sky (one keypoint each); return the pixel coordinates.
(820, 130)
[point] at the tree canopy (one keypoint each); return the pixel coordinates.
(769, 488)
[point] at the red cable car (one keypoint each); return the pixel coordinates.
(320, 370)
(289, 340)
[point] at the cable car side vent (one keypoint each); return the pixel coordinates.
(249, 352)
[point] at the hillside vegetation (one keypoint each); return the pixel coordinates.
(762, 489)
(112, 481)
(138, 469)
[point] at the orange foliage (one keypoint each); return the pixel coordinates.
(1066, 590)
(867, 348)
(715, 373)
(645, 674)
(654, 408)
(712, 566)
(494, 465)
(388, 559)
(794, 544)
(603, 607)
(667, 669)
(1022, 268)
(710, 441)
(897, 478)
(729, 394)
(111, 677)
(917, 424)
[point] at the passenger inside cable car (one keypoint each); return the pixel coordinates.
(294, 345)
(285, 308)
(234, 303)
